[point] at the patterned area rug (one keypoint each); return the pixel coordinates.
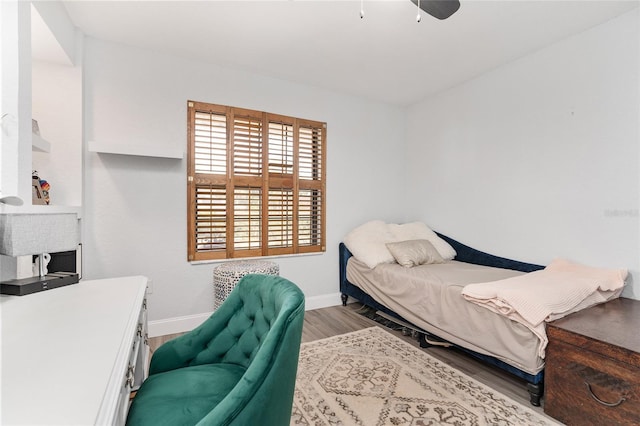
(370, 377)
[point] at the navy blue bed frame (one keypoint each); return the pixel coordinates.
(463, 254)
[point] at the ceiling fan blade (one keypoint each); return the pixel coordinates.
(440, 9)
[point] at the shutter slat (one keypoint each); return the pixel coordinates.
(280, 223)
(280, 147)
(210, 218)
(310, 207)
(247, 218)
(247, 146)
(311, 155)
(210, 142)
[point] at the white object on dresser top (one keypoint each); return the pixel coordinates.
(65, 351)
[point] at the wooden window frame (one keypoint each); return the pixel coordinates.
(283, 202)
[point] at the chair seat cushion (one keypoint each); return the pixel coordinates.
(183, 396)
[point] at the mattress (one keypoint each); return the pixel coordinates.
(429, 296)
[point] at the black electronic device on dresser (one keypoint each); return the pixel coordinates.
(66, 261)
(63, 270)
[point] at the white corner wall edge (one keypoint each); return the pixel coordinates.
(158, 152)
(189, 322)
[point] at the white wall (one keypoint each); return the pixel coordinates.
(535, 160)
(57, 106)
(539, 158)
(56, 77)
(135, 207)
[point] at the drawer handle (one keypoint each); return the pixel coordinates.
(608, 404)
(130, 377)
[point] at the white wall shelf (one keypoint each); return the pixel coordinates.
(39, 144)
(158, 152)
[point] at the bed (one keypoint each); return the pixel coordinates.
(491, 307)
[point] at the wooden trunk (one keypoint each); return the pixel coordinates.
(592, 373)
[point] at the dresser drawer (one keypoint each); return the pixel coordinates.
(587, 388)
(141, 359)
(136, 371)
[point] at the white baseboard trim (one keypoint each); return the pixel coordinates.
(177, 324)
(324, 301)
(189, 322)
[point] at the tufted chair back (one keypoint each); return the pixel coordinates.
(257, 330)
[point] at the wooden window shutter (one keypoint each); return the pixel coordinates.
(311, 183)
(256, 183)
(207, 181)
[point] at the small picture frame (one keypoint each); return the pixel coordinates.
(37, 197)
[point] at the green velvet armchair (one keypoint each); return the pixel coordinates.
(237, 368)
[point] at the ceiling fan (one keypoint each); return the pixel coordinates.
(440, 9)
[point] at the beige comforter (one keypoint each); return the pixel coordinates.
(429, 296)
(561, 288)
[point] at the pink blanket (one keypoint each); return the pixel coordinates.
(561, 288)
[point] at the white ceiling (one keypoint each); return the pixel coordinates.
(386, 56)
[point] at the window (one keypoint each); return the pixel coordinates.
(256, 183)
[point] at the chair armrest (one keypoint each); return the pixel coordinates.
(168, 357)
(185, 350)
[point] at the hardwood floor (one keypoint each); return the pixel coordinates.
(327, 322)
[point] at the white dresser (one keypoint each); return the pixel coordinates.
(71, 355)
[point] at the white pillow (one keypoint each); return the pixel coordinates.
(367, 243)
(420, 231)
(414, 252)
